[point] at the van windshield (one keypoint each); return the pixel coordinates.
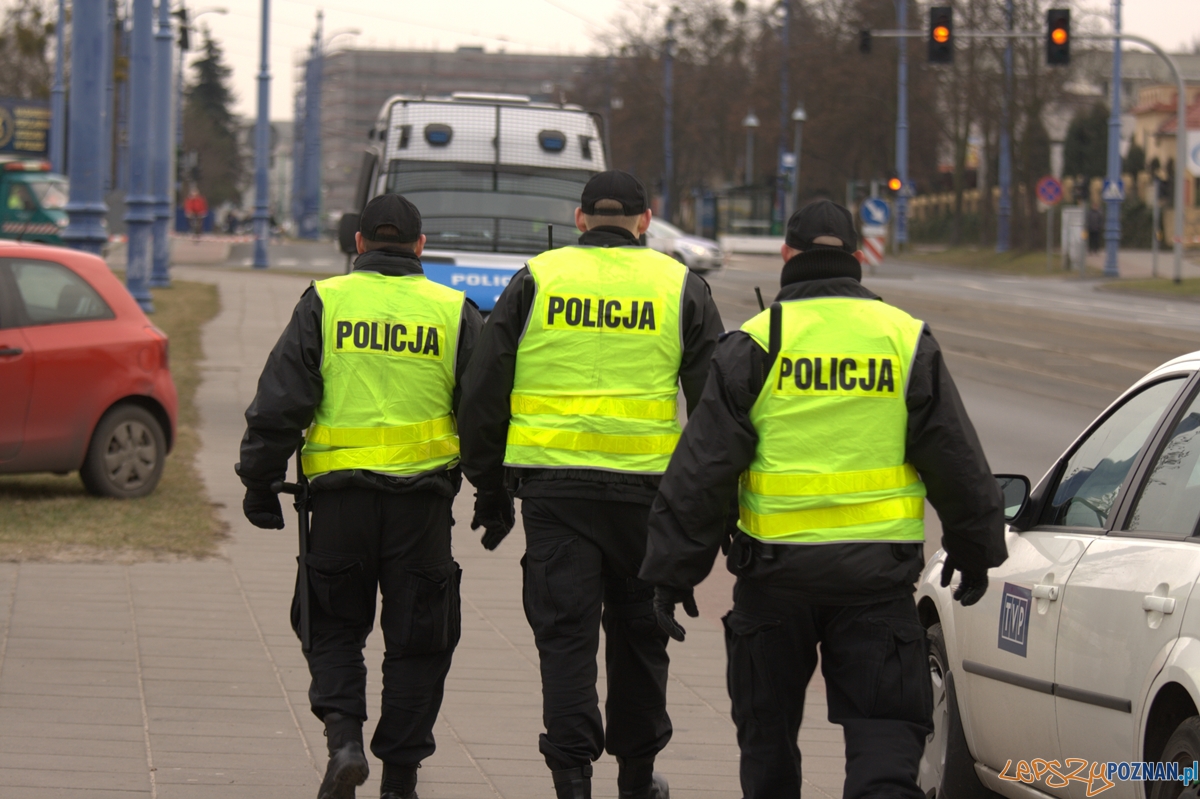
(51, 194)
(488, 208)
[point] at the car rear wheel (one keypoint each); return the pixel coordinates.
(1183, 747)
(126, 454)
(947, 768)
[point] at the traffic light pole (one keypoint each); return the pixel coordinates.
(901, 229)
(1004, 215)
(1181, 103)
(1112, 216)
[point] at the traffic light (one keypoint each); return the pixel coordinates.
(941, 35)
(864, 42)
(1058, 36)
(894, 183)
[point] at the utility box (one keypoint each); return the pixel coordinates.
(1074, 238)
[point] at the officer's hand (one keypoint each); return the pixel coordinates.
(495, 513)
(665, 598)
(971, 587)
(262, 508)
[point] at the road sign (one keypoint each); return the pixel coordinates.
(1193, 151)
(1049, 190)
(875, 212)
(1113, 191)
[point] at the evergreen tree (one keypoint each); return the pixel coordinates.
(1086, 149)
(24, 51)
(210, 128)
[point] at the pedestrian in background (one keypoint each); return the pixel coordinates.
(195, 207)
(829, 418)
(370, 366)
(571, 401)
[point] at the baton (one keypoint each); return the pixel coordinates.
(299, 490)
(758, 293)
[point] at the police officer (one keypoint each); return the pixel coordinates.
(572, 392)
(831, 416)
(370, 366)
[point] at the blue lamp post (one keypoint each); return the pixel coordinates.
(262, 142)
(1004, 215)
(58, 97)
(310, 198)
(668, 118)
(139, 216)
(85, 207)
(902, 129)
(160, 275)
(1112, 202)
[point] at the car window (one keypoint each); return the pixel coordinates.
(20, 198)
(1091, 483)
(1170, 499)
(51, 194)
(52, 293)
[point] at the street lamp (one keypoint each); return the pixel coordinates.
(310, 220)
(750, 123)
(262, 140)
(798, 116)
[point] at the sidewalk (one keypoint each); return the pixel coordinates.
(181, 680)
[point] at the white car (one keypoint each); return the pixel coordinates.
(696, 253)
(1081, 664)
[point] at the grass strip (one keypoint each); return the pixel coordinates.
(1189, 287)
(50, 517)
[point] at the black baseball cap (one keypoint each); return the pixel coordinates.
(394, 210)
(614, 185)
(821, 218)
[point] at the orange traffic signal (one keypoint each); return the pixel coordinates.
(1059, 36)
(941, 34)
(894, 184)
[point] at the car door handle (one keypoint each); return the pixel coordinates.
(1049, 592)
(8, 352)
(1163, 604)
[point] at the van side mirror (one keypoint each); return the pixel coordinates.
(347, 227)
(1015, 488)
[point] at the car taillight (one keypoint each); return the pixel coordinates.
(164, 344)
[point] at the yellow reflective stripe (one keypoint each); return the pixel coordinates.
(811, 525)
(378, 457)
(591, 442)
(576, 405)
(823, 485)
(382, 436)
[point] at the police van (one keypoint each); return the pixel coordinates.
(33, 201)
(496, 177)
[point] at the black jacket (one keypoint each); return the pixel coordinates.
(290, 390)
(483, 423)
(692, 512)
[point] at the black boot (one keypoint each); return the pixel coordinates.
(399, 782)
(347, 767)
(573, 783)
(637, 779)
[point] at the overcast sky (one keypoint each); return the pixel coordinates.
(543, 26)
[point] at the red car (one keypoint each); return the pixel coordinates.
(84, 379)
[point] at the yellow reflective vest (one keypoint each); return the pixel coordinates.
(388, 351)
(832, 424)
(597, 371)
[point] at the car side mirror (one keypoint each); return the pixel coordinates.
(347, 227)
(1015, 489)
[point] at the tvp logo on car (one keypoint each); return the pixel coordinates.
(1014, 619)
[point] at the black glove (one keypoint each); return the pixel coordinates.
(971, 587)
(665, 598)
(262, 508)
(495, 513)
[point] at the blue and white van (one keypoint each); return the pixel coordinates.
(491, 174)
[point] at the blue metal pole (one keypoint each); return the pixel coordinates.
(668, 119)
(262, 141)
(310, 199)
(122, 169)
(110, 23)
(902, 129)
(160, 275)
(85, 208)
(1112, 218)
(58, 98)
(298, 173)
(781, 174)
(139, 214)
(1004, 216)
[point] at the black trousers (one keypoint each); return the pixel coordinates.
(876, 666)
(581, 563)
(363, 539)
